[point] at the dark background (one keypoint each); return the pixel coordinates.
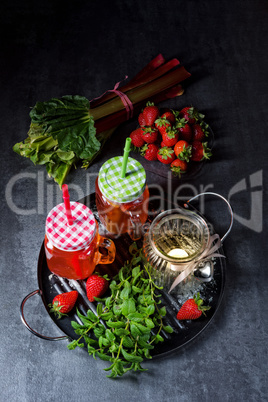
(54, 48)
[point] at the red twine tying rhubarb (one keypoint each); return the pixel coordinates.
(124, 98)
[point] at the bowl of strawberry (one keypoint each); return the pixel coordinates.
(179, 139)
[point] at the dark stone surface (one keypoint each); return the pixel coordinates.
(56, 48)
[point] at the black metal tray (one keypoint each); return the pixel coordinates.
(184, 332)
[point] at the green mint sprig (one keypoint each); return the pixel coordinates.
(128, 323)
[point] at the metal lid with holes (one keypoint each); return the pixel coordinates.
(118, 189)
(71, 237)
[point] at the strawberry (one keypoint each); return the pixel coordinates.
(136, 138)
(191, 115)
(149, 134)
(150, 114)
(169, 115)
(162, 124)
(192, 309)
(178, 166)
(200, 151)
(185, 130)
(183, 150)
(200, 131)
(63, 303)
(149, 151)
(170, 137)
(96, 286)
(141, 120)
(166, 155)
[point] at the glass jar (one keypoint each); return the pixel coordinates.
(122, 203)
(174, 240)
(72, 251)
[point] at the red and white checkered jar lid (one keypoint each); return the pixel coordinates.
(70, 237)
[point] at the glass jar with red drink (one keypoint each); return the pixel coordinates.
(122, 202)
(72, 250)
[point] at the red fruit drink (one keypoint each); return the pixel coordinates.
(72, 251)
(122, 203)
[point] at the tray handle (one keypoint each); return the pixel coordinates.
(228, 204)
(48, 338)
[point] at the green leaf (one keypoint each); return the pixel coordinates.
(107, 316)
(108, 301)
(168, 329)
(90, 349)
(103, 341)
(121, 332)
(145, 345)
(91, 316)
(136, 260)
(109, 335)
(127, 342)
(162, 311)
(149, 323)
(113, 348)
(72, 345)
(159, 338)
(142, 328)
(131, 358)
(135, 331)
(115, 324)
(103, 356)
(99, 331)
(124, 294)
(147, 354)
(150, 309)
(75, 325)
(137, 317)
(135, 271)
(99, 309)
(117, 309)
(135, 289)
(64, 126)
(128, 306)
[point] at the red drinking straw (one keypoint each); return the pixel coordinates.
(66, 199)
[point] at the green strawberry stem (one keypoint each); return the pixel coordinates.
(199, 302)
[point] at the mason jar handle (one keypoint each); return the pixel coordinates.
(228, 204)
(48, 338)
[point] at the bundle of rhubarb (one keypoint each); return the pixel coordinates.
(70, 130)
(174, 137)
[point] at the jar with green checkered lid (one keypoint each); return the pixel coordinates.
(122, 202)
